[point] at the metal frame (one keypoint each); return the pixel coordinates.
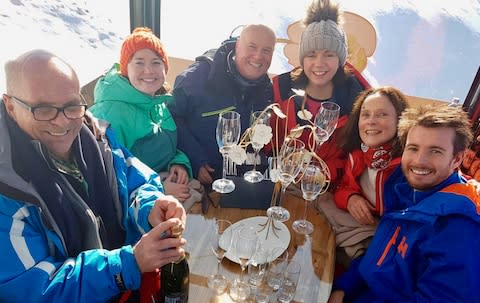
(145, 13)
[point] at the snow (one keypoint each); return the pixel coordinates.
(85, 33)
(424, 57)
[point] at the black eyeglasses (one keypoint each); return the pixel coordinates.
(48, 112)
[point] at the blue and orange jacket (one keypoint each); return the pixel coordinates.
(425, 248)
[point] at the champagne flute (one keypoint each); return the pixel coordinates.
(290, 162)
(290, 282)
(245, 246)
(326, 121)
(227, 134)
(220, 242)
(315, 181)
(276, 268)
(257, 118)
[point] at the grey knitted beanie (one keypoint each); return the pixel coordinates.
(323, 34)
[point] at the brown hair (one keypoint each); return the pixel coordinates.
(438, 116)
(350, 138)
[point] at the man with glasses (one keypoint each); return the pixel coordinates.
(80, 218)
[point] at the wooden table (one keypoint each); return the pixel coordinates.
(315, 252)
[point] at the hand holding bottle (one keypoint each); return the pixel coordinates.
(158, 247)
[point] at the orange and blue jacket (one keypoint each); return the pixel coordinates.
(425, 248)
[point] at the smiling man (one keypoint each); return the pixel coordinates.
(426, 246)
(80, 218)
(232, 77)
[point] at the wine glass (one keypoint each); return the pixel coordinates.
(220, 242)
(245, 245)
(290, 163)
(315, 181)
(228, 134)
(326, 121)
(257, 118)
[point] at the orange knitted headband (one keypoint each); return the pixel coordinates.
(140, 38)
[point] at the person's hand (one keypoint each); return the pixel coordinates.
(178, 174)
(153, 250)
(179, 191)
(166, 207)
(336, 296)
(204, 174)
(360, 209)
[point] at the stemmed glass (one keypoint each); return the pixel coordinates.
(326, 121)
(315, 181)
(257, 118)
(228, 134)
(290, 163)
(245, 245)
(220, 242)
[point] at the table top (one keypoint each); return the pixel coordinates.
(316, 252)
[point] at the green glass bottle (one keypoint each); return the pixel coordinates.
(175, 282)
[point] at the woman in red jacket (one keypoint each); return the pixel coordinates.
(323, 75)
(370, 138)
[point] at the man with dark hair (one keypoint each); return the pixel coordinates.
(426, 246)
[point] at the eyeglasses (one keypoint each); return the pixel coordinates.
(48, 112)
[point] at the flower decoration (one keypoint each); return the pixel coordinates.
(258, 135)
(237, 154)
(262, 134)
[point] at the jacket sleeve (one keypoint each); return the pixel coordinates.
(27, 261)
(179, 109)
(347, 186)
(139, 187)
(450, 274)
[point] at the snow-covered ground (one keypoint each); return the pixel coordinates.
(87, 34)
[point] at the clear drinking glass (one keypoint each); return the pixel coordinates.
(287, 291)
(245, 245)
(276, 269)
(326, 121)
(220, 230)
(257, 118)
(315, 181)
(257, 267)
(290, 164)
(228, 134)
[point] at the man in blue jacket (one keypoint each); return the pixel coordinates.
(426, 246)
(233, 77)
(80, 218)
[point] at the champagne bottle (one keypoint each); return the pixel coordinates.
(174, 277)
(175, 281)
